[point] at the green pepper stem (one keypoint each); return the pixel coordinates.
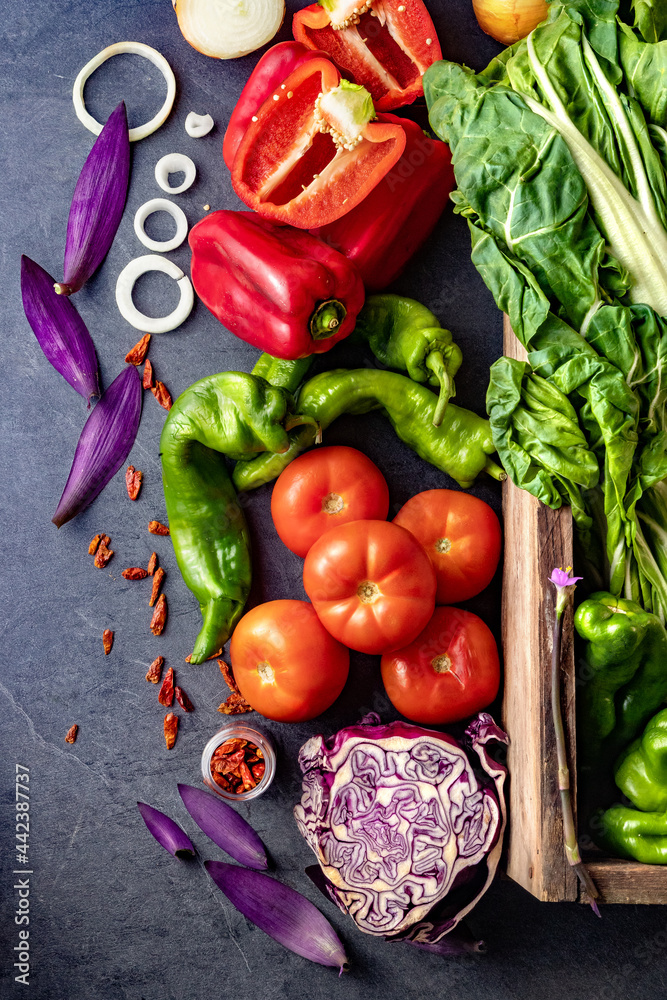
(569, 828)
(326, 319)
(299, 420)
(436, 363)
(496, 471)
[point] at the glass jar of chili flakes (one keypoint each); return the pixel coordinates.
(239, 762)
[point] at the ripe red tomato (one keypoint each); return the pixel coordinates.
(450, 671)
(462, 537)
(325, 488)
(286, 664)
(371, 584)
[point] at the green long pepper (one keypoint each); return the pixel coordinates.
(232, 414)
(461, 446)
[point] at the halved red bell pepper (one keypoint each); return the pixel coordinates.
(272, 69)
(386, 45)
(276, 287)
(312, 153)
(387, 228)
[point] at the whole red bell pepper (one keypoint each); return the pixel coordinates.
(311, 152)
(387, 228)
(276, 287)
(275, 65)
(387, 46)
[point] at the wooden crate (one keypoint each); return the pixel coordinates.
(536, 540)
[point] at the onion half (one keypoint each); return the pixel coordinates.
(227, 29)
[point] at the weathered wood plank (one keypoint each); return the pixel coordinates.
(536, 540)
(620, 881)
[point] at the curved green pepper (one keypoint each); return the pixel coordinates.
(282, 373)
(461, 446)
(404, 334)
(233, 414)
(641, 770)
(627, 654)
(631, 833)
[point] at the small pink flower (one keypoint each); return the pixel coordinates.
(561, 577)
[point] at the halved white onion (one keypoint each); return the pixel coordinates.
(227, 29)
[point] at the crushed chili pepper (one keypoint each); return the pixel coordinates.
(170, 729)
(92, 548)
(107, 640)
(134, 573)
(72, 734)
(183, 700)
(188, 658)
(104, 553)
(159, 619)
(157, 583)
(133, 480)
(166, 694)
(155, 670)
(162, 395)
(147, 381)
(157, 528)
(230, 680)
(152, 564)
(139, 351)
(237, 765)
(235, 705)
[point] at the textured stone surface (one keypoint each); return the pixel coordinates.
(112, 916)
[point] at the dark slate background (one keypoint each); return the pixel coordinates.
(112, 916)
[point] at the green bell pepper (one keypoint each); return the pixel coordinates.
(626, 680)
(630, 833)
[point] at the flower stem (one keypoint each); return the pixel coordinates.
(569, 829)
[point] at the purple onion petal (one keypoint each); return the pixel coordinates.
(167, 832)
(282, 913)
(105, 443)
(60, 331)
(223, 825)
(98, 203)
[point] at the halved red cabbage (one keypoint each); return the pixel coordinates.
(407, 834)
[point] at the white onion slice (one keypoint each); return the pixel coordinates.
(198, 126)
(173, 163)
(177, 214)
(227, 29)
(136, 49)
(149, 324)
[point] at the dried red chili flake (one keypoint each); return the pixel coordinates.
(230, 680)
(104, 553)
(162, 395)
(72, 734)
(152, 564)
(139, 351)
(235, 705)
(225, 765)
(166, 694)
(246, 777)
(170, 729)
(258, 771)
(147, 381)
(157, 583)
(107, 640)
(133, 479)
(183, 700)
(157, 528)
(188, 658)
(155, 670)
(222, 782)
(92, 548)
(134, 573)
(237, 765)
(159, 619)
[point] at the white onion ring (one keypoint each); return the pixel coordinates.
(198, 125)
(136, 49)
(128, 310)
(173, 163)
(177, 214)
